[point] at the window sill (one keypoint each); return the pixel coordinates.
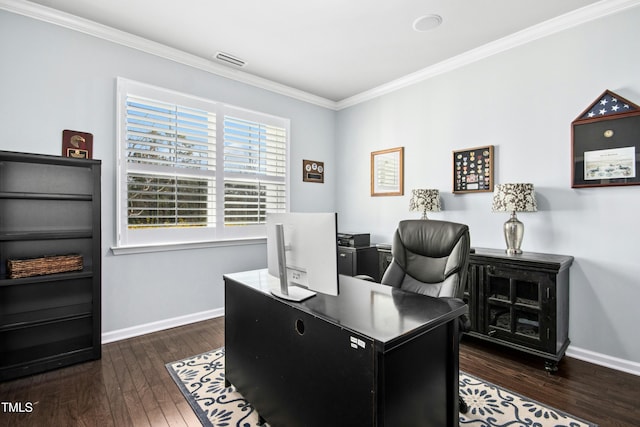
(133, 249)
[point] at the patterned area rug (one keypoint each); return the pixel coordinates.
(201, 380)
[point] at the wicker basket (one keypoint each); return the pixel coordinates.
(18, 268)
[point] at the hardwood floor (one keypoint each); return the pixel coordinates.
(130, 385)
(601, 395)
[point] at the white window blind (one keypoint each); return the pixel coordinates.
(171, 164)
(193, 170)
(254, 169)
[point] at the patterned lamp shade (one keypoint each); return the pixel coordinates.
(425, 200)
(514, 198)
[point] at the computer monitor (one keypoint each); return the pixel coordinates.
(302, 252)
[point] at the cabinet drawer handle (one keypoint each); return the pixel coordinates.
(343, 255)
(491, 332)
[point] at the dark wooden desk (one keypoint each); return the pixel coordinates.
(372, 356)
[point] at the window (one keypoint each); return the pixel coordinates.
(195, 170)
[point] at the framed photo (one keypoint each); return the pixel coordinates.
(387, 172)
(606, 144)
(473, 170)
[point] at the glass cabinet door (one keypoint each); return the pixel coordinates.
(513, 306)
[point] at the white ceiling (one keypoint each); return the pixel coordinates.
(334, 49)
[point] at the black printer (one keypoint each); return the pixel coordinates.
(354, 240)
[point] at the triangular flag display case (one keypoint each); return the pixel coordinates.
(606, 143)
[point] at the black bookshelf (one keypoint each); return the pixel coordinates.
(49, 205)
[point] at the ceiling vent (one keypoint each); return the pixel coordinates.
(230, 59)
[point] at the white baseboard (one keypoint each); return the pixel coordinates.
(603, 360)
(147, 328)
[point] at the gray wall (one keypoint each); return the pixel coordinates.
(52, 79)
(523, 102)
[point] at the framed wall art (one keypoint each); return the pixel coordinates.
(605, 143)
(312, 171)
(387, 172)
(473, 170)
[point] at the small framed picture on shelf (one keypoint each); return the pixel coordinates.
(78, 145)
(473, 170)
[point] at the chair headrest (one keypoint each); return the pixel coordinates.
(430, 238)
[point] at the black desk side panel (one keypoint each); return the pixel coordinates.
(260, 327)
(419, 381)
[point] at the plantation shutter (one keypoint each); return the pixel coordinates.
(171, 164)
(193, 170)
(254, 170)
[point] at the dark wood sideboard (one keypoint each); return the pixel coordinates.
(520, 301)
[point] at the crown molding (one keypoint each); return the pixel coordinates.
(572, 19)
(72, 22)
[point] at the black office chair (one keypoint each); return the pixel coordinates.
(431, 258)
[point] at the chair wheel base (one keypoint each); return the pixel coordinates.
(462, 406)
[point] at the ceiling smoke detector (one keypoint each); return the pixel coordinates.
(427, 23)
(230, 59)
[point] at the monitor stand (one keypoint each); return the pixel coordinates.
(290, 293)
(294, 293)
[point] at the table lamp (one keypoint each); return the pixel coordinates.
(425, 200)
(514, 198)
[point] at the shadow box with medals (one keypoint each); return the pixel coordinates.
(473, 170)
(606, 143)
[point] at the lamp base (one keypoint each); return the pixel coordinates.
(513, 234)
